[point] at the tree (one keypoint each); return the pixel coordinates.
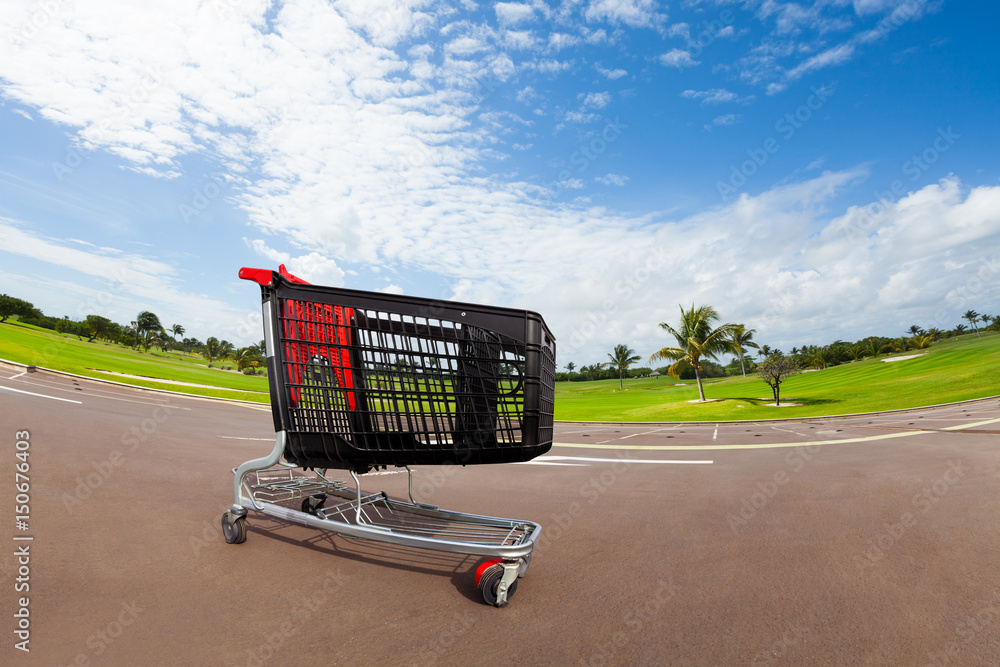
(764, 351)
(146, 325)
(921, 342)
(973, 317)
(100, 327)
(10, 306)
(569, 367)
(823, 357)
(212, 350)
(249, 357)
(960, 328)
(176, 330)
(856, 351)
(776, 369)
(621, 359)
(875, 346)
(696, 338)
(742, 338)
(914, 330)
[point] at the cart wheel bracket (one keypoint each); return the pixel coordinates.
(511, 568)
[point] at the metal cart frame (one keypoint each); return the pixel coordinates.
(275, 488)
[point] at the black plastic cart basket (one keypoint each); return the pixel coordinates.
(363, 380)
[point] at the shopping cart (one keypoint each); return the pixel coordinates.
(360, 381)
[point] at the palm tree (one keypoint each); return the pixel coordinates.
(764, 351)
(875, 346)
(914, 330)
(973, 317)
(621, 359)
(823, 357)
(921, 342)
(212, 350)
(742, 338)
(177, 330)
(696, 339)
(856, 351)
(569, 367)
(146, 324)
(959, 328)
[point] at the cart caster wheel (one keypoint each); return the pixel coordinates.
(488, 576)
(234, 529)
(313, 503)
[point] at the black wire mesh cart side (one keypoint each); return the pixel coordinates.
(362, 380)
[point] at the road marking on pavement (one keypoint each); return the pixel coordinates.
(14, 377)
(716, 434)
(550, 463)
(95, 392)
(236, 437)
(619, 460)
(843, 441)
(31, 393)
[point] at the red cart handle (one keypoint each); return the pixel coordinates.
(263, 276)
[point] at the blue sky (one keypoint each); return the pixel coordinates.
(815, 170)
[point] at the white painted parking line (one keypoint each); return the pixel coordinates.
(619, 460)
(14, 377)
(550, 463)
(31, 393)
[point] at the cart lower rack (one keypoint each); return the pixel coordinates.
(361, 381)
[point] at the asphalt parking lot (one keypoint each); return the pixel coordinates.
(862, 540)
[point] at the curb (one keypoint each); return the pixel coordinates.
(31, 369)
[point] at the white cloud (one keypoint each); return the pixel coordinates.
(581, 117)
(682, 30)
(513, 13)
(678, 58)
(114, 283)
(341, 151)
(723, 120)
(597, 100)
(635, 13)
(613, 74)
(612, 179)
(715, 96)
(524, 40)
(560, 40)
(834, 56)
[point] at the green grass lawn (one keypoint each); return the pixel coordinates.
(41, 347)
(952, 370)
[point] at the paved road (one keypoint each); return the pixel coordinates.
(868, 540)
